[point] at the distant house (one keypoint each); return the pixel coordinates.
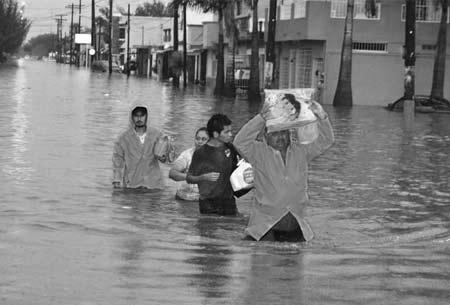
(309, 38)
(147, 35)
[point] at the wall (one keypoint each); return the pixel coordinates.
(377, 77)
(148, 30)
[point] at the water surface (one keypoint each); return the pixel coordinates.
(379, 207)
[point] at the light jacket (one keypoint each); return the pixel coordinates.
(279, 188)
(134, 163)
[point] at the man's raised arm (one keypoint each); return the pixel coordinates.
(245, 139)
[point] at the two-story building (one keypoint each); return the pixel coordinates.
(309, 36)
(147, 35)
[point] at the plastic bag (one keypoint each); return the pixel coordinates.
(164, 149)
(242, 176)
(305, 134)
(288, 108)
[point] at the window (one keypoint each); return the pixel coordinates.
(261, 26)
(300, 9)
(285, 9)
(122, 33)
(243, 24)
(339, 10)
(167, 35)
(238, 7)
(428, 47)
(426, 11)
(370, 47)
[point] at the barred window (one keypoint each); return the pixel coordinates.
(122, 33)
(426, 11)
(339, 10)
(285, 9)
(300, 9)
(376, 47)
(428, 47)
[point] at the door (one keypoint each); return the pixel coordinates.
(303, 68)
(319, 78)
(284, 71)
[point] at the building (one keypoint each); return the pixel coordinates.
(309, 39)
(244, 24)
(147, 36)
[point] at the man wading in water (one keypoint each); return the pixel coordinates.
(134, 163)
(280, 178)
(211, 168)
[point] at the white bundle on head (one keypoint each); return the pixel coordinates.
(289, 109)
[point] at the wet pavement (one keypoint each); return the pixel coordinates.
(380, 205)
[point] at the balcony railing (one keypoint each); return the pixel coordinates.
(339, 10)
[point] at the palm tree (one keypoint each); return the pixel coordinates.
(175, 4)
(217, 6)
(253, 85)
(232, 34)
(437, 88)
(343, 95)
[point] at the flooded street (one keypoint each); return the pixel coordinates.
(380, 205)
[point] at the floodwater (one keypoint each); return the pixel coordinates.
(380, 205)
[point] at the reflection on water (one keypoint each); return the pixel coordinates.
(380, 205)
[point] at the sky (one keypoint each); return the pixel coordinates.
(42, 13)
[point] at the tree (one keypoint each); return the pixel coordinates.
(103, 23)
(174, 6)
(437, 87)
(41, 45)
(155, 9)
(343, 95)
(253, 84)
(13, 27)
(232, 35)
(217, 6)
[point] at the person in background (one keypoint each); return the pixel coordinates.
(179, 169)
(280, 169)
(134, 163)
(211, 168)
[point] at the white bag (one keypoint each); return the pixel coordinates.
(288, 108)
(237, 177)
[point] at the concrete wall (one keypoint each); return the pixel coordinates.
(148, 30)
(194, 36)
(210, 34)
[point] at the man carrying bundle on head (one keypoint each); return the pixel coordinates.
(296, 130)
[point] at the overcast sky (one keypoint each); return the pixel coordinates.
(42, 13)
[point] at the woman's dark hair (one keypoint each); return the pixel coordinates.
(201, 129)
(217, 123)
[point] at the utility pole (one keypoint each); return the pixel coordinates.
(128, 42)
(93, 30)
(175, 76)
(410, 59)
(64, 46)
(269, 68)
(184, 45)
(71, 36)
(59, 22)
(410, 48)
(99, 40)
(79, 31)
(110, 36)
